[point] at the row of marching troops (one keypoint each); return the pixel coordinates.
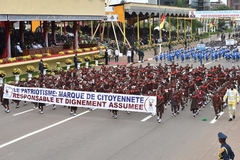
(200, 55)
(172, 84)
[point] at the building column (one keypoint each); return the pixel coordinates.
(206, 25)
(65, 30)
(45, 33)
(203, 28)
(53, 31)
(150, 30)
(7, 51)
(91, 28)
(75, 30)
(169, 27)
(217, 21)
(177, 29)
(100, 31)
(191, 29)
(185, 28)
(21, 31)
(138, 30)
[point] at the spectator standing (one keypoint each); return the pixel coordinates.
(116, 55)
(41, 67)
(129, 53)
(75, 60)
(132, 55)
(155, 50)
(106, 57)
(185, 43)
(169, 46)
(109, 51)
(19, 49)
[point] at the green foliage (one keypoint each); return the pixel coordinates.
(123, 1)
(181, 3)
(196, 24)
(221, 25)
(223, 7)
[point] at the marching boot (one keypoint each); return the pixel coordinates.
(165, 106)
(194, 115)
(159, 121)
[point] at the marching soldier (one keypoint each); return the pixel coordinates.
(160, 107)
(5, 102)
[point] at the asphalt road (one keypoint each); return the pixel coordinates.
(95, 135)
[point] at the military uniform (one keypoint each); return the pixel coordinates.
(225, 153)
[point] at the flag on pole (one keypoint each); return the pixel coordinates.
(212, 24)
(163, 19)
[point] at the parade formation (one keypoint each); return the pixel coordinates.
(173, 84)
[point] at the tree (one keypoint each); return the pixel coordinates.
(223, 7)
(196, 24)
(181, 3)
(123, 1)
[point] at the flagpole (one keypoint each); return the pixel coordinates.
(160, 41)
(209, 33)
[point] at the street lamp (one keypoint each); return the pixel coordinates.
(159, 41)
(208, 33)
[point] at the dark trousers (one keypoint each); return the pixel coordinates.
(75, 65)
(106, 61)
(116, 58)
(129, 59)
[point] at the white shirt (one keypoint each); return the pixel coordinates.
(34, 46)
(116, 52)
(129, 53)
(19, 48)
(109, 52)
(39, 46)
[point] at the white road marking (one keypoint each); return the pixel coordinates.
(208, 63)
(23, 112)
(41, 130)
(8, 155)
(148, 117)
(27, 111)
(215, 120)
(212, 61)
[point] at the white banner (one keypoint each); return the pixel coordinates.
(229, 42)
(215, 14)
(112, 101)
(238, 48)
